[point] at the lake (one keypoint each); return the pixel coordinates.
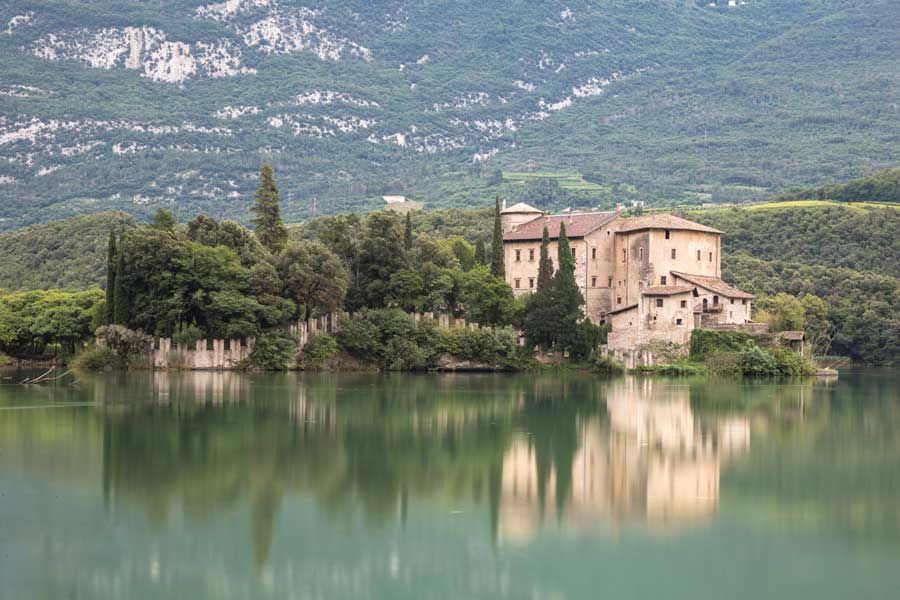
(225, 485)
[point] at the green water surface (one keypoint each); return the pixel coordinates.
(225, 485)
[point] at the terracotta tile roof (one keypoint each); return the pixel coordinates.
(714, 284)
(520, 207)
(623, 309)
(667, 290)
(578, 225)
(662, 221)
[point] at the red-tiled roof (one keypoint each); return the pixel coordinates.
(662, 221)
(578, 225)
(667, 290)
(714, 284)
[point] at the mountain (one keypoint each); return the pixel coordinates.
(118, 104)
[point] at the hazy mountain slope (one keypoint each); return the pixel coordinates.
(130, 105)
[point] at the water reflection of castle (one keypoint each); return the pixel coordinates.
(652, 462)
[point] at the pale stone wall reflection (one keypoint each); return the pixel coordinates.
(652, 462)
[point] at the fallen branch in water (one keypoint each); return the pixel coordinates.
(36, 379)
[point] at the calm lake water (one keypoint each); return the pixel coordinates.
(222, 485)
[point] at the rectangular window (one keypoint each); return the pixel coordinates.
(678, 321)
(732, 300)
(594, 253)
(619, 300)
(659, 302)
(698, 255)
(624, 254)
(744, 302)
(673, 252)
(609, 282)
(710, 257)
(662, 280)
(531, 283)
(517, 282)
(684, 304)
(641, 253)
(593, 282)
(531, 255)
(518, 255)
(668, 233)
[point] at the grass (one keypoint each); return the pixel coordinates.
(567, 181)
(819, 204)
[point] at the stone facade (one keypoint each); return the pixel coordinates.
(655, 278)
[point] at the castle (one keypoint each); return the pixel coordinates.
(654, 278)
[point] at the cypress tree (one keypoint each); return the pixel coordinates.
(498, 267)
(120, 300)
(407, 232)
(567, 298)
(270, 230)
(545, 265)
(110, 275)
(480, 253)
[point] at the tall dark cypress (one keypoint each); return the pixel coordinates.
(498, 266)
(545, 265)
(407, 232)
(270, 230)
(480, 253)
(120, 300)
(567, 297)
(110, 275)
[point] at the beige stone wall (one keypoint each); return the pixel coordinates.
(594, 267)
(644, 258)
(664, 319)
(204, 354)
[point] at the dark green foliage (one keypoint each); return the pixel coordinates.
(494, 347)
(164, 220)
(480, 252)
(408, 232)
(69, 254)
(606, 365)
(313, 278)
(111, 262)
(270, 230)
(319, 352)
(705, 342)
(120, 295)
(883, 186)
(498, 266)
(584, 342)
(187, 335)
(545, 265)
(274, 351)
(380, 256)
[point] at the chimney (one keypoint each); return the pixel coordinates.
(503, 204)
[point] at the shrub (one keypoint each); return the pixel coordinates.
(607, 365)
(680, 368)
(274, 351)
(96, 358)
(319, 351)
(791, 364)
(705, 342)
(489, 346)
(725, 364)
(125, 342)
(403, 354)
(360, 338)
(584, 341)
(757, 361)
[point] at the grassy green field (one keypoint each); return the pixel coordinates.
(566, 181)
(819, 204)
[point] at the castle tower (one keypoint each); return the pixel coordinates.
(517, 214)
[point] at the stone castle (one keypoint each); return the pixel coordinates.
(654, 278)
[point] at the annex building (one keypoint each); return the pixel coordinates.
(654, 278)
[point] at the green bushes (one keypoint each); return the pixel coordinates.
(391, 339)
(116, 347)
(607, 365)
(319, 352)
(274, 351)
(738, 353)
